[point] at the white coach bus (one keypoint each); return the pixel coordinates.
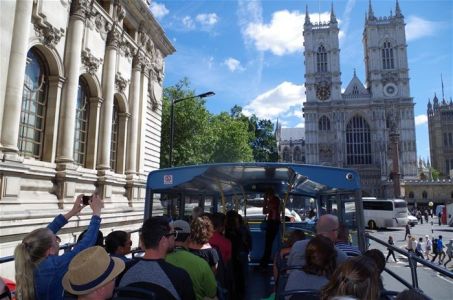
(384, 213)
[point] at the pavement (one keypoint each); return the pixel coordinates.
(434, 284)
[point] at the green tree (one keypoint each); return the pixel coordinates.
(231, 138)
(435, 173)
(191, 127)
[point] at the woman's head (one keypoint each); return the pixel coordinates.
(357, 277)
(320, 256)
(118, 242)
(35, 247)
(201, 230)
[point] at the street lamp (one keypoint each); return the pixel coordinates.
(172, 118)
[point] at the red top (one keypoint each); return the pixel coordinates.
(271, 207)
(223, 244)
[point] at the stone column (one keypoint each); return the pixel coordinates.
(108, 91)
(73, 60)
(134, 104)
(15, 77)
(144, 96)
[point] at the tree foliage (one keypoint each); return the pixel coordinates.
(201, 137)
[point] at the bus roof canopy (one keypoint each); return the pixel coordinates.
(238, 178)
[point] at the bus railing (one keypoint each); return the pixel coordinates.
(413, 260)
(66, 247)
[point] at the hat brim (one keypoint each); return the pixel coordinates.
(118, 267)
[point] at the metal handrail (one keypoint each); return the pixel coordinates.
(66, 247)
(413, 260)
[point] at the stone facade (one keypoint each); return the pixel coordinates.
(440, 124)
(368, 128)
(80, 104)
(421, 192)
(290, 144)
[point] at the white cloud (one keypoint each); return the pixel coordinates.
(233, 64)
(417, 28)
(188, 22)
(283, 35)
(159, 10)
(276, 101)
(421, 119)
(207, 19)
(300, 125)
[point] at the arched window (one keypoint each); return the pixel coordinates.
(358, 142)
(297, 154)
(387, 56)
(411, 195)
(321, 59)
(34, 106)
(114, 137)
(81, 123)
(324, 123)
(424, 195)
(355, 90)
(286, 156)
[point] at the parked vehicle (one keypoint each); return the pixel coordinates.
(411, 219)
(384, 213)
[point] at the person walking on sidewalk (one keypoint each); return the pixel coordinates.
(449, 252)
(408, 231)
(390, 242)
(428, 246)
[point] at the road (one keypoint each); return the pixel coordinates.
(435, 285)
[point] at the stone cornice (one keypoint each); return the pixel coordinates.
(47, 34)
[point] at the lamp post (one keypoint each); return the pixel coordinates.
(172, 118)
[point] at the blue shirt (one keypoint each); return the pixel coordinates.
(49, 273)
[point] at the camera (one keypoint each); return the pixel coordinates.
(86, 200)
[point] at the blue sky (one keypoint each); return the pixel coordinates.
(250, 53)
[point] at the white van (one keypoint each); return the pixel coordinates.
(384, 213)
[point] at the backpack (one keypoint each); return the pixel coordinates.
(435, 246)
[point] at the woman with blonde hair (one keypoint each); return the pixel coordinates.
(201, 230)
(356, 277)
(39, 269)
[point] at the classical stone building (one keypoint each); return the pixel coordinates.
(370, 127)
(440, 124)
(80, 110)
(290, 144)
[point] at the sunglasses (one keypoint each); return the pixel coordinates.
(174, 233)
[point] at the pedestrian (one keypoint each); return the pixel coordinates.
(439, 251)
(449, 252)
(408, 231)
(390, 242)
(428, 246)
(432, 227)
(439, 218)
(419, 249)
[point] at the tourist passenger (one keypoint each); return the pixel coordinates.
(203, 280)
(118, 244)
(152, 272)
(281, 258)
(319, 266)
(218, 239)
(379, 259)
(342, 242)
(99, 238)
(91, 274)
(326, 226)
(271, 208)
(356, 277)
(39, 269)
(201, 231)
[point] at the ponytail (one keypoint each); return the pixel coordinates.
(28, 255)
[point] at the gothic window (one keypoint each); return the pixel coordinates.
(324, 123)
(358, 142)
(424, 195)
(387, 56)
(297, 154)
(81, 123)
(286, 155)
(355, 90)
(447, 166)
(445, 139)
(114, 136)
(321, 59)
(411, 195)
(34, 106)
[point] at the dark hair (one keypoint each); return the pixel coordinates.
(411, 294)
(378, 257)
(320, 256)
(356, 277)
(114, 240)
(153, 230)
(343, 233)
(218, 220)
(99, 240)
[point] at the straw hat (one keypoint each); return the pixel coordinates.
(91, 269)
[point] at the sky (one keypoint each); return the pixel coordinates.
(250, 52)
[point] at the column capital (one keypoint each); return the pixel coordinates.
(113, 38)
(138, 61)
(80, 9)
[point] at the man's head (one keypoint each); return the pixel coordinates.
(92, 272)
(183, 229)
(328, 226)
(158, 235)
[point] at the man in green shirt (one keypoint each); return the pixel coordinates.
(204, 282)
